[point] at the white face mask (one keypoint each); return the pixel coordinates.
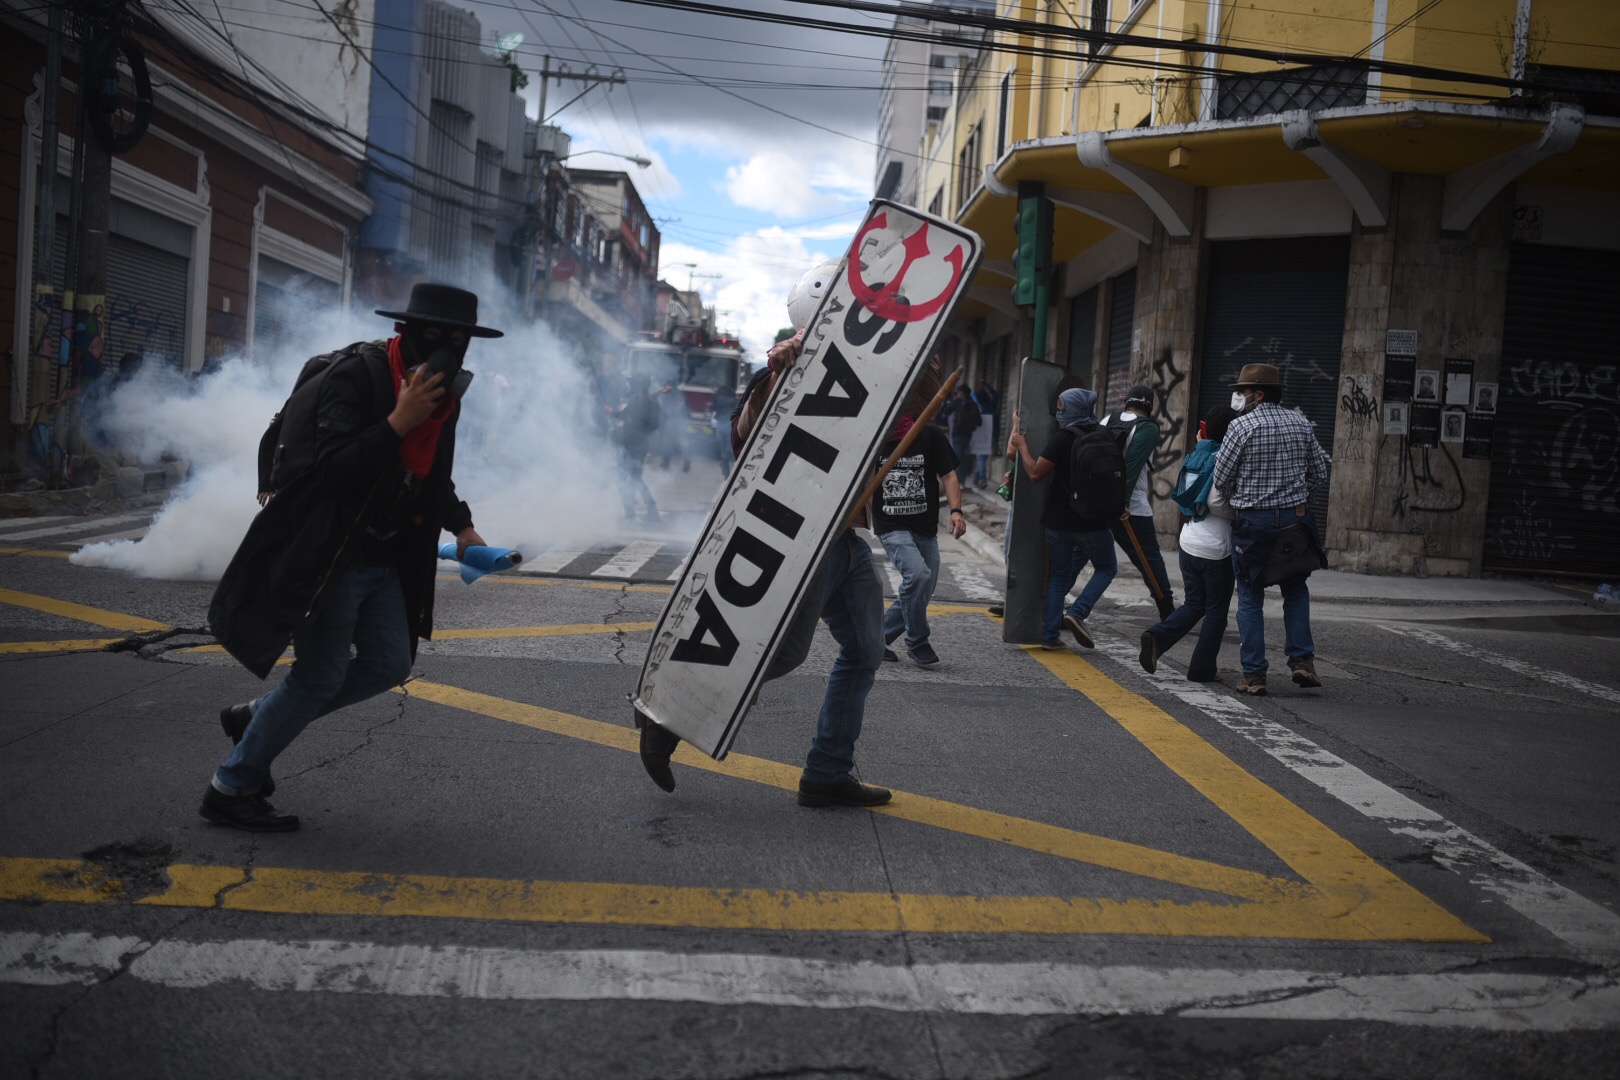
(1238, 401)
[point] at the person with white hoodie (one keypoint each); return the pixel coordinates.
(1206, 557)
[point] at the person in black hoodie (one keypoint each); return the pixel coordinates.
(345, 552)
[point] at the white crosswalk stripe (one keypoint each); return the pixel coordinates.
(550, 562)
(971, 580)
(104, 538)
(632, 557)
(69, 531)
(33, 523)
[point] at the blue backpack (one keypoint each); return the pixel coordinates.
(1191, 493)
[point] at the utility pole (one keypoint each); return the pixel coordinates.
(540, 188)
(47, 317)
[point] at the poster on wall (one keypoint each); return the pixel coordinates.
(1427, 387)
(1453, 424)
(1423, 424)
(1401, 342)
(1395, 417)
(1484, 399)
(1399, 372)
(1477, 439)
(1459, 381)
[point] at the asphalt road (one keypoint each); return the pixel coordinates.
(1086, 871)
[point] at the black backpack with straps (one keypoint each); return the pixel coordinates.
(287, 449)
(1097, 491)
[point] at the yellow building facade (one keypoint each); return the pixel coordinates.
(1412, 208)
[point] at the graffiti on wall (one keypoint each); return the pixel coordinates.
(1361, 420)
(1165, 378)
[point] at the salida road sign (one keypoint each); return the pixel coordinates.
(801, 470)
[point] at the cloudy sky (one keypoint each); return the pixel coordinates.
(747, 194)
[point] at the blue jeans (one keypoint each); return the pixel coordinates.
(1067, 554)
(1251, 618)
(1209, 585)
(1146, 535)
(847, 595)
(364, 607)
(631, 462)
(916, 556)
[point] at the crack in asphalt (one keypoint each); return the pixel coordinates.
(126, 961)
(368, 736)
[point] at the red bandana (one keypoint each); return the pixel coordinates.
(421, 443)
(903, 426)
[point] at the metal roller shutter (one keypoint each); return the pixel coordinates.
(1555, 462)
(1278, 302)
(1121, 322)
(147, 299)
(1083, 334)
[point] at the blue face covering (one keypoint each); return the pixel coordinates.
(1076, 407)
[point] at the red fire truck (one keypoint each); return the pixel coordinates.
(695, 364)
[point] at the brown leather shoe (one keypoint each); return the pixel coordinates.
(1305, 673)
(1253, 685)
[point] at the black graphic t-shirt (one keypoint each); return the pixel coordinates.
(909, 495)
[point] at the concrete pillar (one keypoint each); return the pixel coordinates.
(1396, 508)
(1164, 345)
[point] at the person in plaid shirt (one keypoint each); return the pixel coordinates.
(1268, 465)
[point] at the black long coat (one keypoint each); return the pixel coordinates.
(310, 532)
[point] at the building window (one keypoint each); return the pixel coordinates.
(967, 168)
(939, 86)
(1324, 87)
(1099, 23)
(936, 113)
(936, 205)
(1003, 115)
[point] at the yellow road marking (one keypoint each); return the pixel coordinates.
(567, 630)
(41, 552)
(79, 645)
(1321, 856)
(567, 583)
(986, 824)
(1347, 896)
(292, 891)
(113, 620)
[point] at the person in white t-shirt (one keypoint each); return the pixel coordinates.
(1206, 557)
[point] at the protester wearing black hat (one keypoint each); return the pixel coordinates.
(1138, 437)
(345, 551)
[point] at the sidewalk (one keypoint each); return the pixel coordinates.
(987, 515)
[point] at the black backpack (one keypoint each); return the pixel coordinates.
(287, 450)
(1097, 491)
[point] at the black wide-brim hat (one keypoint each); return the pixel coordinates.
(444, 305)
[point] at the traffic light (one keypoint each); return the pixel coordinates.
(1032, 261)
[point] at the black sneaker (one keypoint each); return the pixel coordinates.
(1078, 629)
(657, 744)
(1149, 656)
(235, 719)
(890, 656)
(923, 655)
(250, 813)
(846, 792)
(997, 610)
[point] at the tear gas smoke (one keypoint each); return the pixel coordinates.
(531, 457)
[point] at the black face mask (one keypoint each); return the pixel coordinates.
(442, 357)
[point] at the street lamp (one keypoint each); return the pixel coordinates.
(634, 159)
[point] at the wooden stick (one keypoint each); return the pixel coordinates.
(905, 444)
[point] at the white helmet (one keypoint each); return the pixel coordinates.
(806, 295)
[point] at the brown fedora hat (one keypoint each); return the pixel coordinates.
(1259, 375)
